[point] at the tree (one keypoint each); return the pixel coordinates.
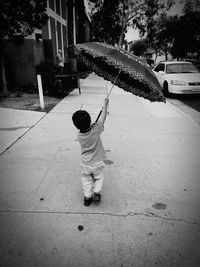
(162, 34)
(187, 35)
(177, 35)
(106, 21)
(155, 45)
(110, 19)
(19, 19)
(139, 47)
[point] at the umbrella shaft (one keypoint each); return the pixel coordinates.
(113, 84)
(108, 94)
(110, 90)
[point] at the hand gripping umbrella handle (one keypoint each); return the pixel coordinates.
(108, 95)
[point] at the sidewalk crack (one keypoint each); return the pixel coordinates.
(22, 135)
(47, 170)
(153, 215)
(129, 214)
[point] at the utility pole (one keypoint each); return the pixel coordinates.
(72, 36)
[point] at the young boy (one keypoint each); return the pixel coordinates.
(92, 153)
(60, 61)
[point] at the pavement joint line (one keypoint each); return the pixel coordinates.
(69, 112)
(47, 170)
(7, 148)
(129, 214)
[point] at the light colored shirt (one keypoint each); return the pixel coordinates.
(60, 60)
(92, 150)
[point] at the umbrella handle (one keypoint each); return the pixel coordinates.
(98, 116)
(107, 97)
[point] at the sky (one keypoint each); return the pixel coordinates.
(176, 9)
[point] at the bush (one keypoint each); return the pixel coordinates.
(29, 88)
(48, 72)
(83, 71)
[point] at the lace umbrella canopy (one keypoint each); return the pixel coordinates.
(109, 62)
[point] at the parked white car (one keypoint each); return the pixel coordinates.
(178, 77)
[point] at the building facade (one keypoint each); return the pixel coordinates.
(54, 33)
(42, 46)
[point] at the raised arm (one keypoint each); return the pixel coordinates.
(104, 111)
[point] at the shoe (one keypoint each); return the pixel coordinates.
(87, 201)
(97, 197)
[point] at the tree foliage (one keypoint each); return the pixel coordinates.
(110, 18)
(139, 47)
(177, 35)
(165, 30)
(105, 21)
(22, 17)
(187, 35)
(19, 18)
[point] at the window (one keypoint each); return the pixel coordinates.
(63, 9)
(181, 68)
(64, 36)
(58, 7)
(160, 67)
(51, 4)
(45, 31)
(53, 36)
(59, 35)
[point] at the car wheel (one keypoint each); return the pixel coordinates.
(165, 88)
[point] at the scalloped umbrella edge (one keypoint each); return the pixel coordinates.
(134, 76)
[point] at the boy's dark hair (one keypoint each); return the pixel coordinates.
(81, 120)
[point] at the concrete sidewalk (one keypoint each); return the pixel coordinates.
(149, 214)
(14, 123)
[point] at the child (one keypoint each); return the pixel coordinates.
(60, 60)
(92, 153)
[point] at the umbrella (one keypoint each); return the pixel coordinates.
(122, 68)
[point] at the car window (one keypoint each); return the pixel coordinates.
(181, 68)
(160, 67)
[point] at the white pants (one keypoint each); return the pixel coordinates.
(92, 178)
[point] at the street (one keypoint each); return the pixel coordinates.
(189, 104)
